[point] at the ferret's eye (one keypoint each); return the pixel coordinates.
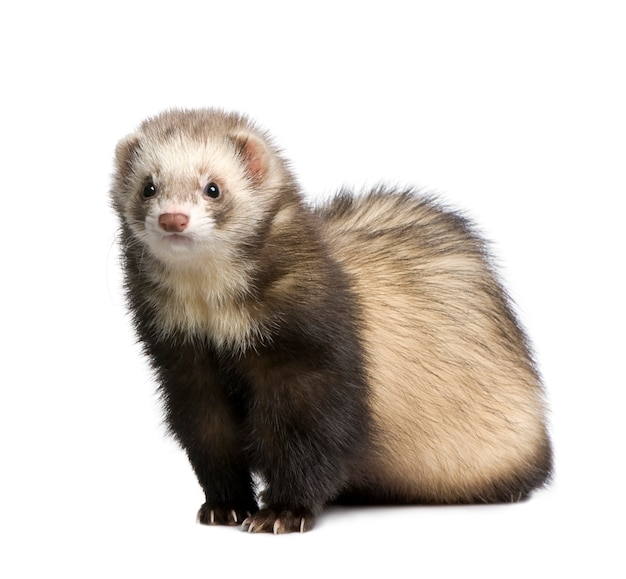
(212, 190)
(149, 190)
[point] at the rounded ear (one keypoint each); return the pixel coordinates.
(124, 153)
(255, 155)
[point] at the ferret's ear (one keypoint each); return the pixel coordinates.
(255, 155)
(124, 153)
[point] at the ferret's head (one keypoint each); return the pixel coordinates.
(201, 182)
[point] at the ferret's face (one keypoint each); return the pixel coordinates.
(188, 196)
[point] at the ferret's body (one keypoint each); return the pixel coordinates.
(362, 351)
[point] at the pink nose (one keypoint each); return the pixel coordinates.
(173, 222)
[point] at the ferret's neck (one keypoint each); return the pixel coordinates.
(208, 301)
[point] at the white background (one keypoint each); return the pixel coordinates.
(514, 111)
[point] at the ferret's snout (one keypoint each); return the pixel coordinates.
(173, 222)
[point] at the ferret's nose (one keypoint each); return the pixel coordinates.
(173, 222)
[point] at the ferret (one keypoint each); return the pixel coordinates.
(358, 352)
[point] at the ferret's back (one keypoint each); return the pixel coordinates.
(410, 230)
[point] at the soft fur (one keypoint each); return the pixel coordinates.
(358, 352)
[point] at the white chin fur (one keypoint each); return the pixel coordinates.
(176, 243)
(175, 248)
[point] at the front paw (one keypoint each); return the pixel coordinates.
(279, 521)
(217, 514)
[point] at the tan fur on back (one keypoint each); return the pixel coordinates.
(455, 398)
